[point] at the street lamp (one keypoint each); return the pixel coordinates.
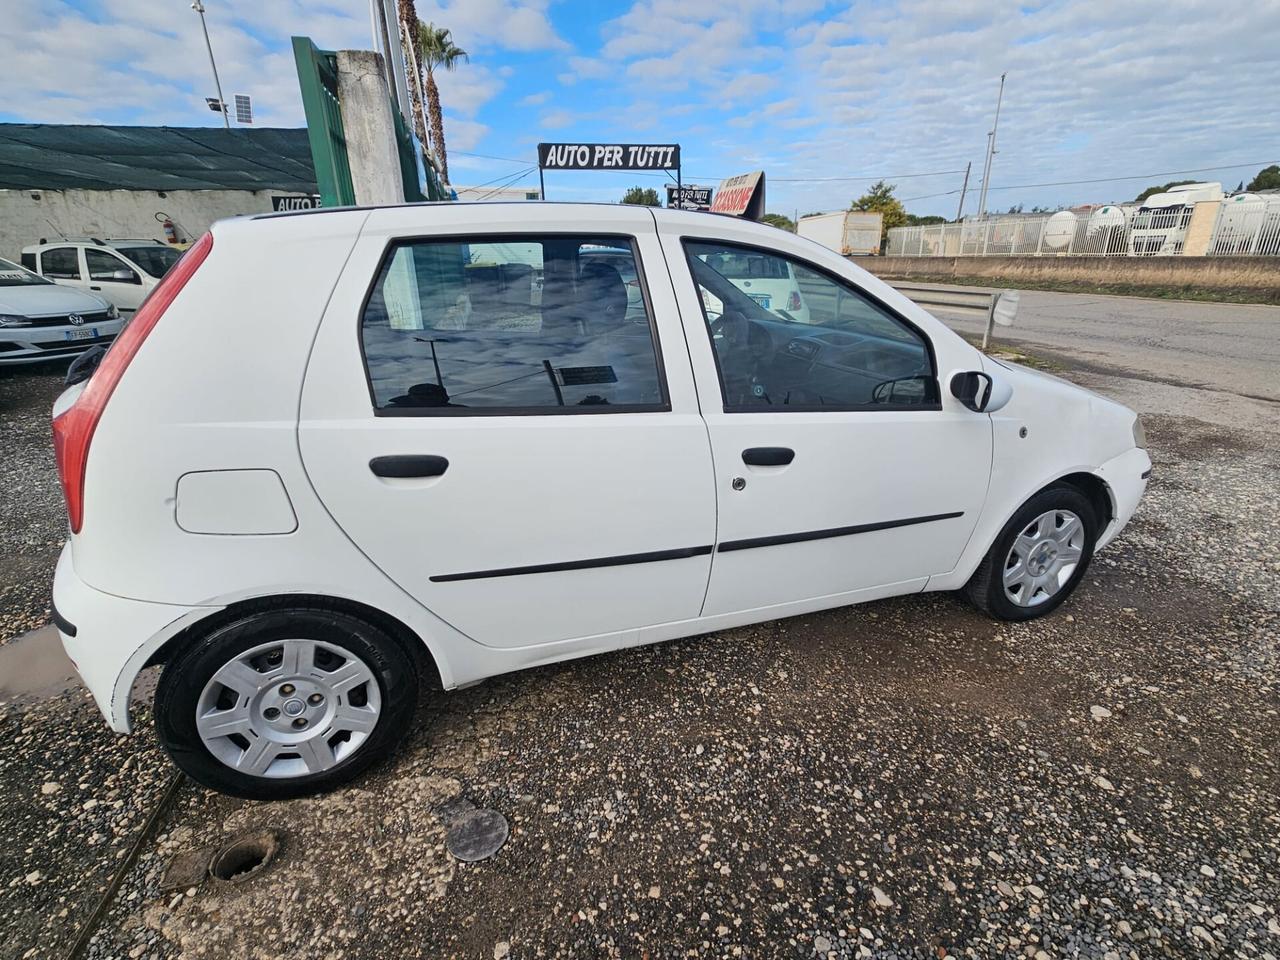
(198, 7)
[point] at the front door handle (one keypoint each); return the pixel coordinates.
(92, 287)
(768, 456)
(406, 466)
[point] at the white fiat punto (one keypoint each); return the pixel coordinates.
(456, 447)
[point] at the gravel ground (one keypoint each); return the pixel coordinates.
(900, 779)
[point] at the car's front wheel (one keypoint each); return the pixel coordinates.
(1039, 557)
(285, 703)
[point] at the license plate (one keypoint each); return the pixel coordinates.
(84, 333)
(764, 299)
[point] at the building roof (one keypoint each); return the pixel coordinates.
(38, 156)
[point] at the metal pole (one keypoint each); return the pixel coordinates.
(991, 321)
(963, 190)
(991, 151)
(542, 185)
(198, 7)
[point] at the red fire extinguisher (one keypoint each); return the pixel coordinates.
(170, 231)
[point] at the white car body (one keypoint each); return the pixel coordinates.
(219, 475)
(121, 271)
(41, 321)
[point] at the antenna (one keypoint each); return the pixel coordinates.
(991, 150)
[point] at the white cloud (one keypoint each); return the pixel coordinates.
(507, 24)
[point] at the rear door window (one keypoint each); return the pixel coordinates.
(60, 263)
(516, 325)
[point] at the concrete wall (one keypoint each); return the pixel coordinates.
(28, 215)
(369, 128)
(1241, 273)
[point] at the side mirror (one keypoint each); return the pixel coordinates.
(981, 392)
(124, 276)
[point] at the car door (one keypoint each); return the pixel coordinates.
(63, 265)
(111, 277)
(842, 471)
(507, 436)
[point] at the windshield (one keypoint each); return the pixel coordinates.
(12, 275)
(155, 260)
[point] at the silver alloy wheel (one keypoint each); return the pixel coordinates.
(288, 708)
(1043, 557)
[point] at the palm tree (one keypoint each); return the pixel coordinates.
(409, 27)
(435, 48)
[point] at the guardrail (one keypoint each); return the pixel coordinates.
(955, 299)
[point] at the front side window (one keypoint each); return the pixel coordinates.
(62, 263)
(788, 336)
(106, 266)
(536, 324)
(154, 259)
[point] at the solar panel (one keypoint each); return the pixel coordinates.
(244, 109)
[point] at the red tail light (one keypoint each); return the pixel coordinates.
(73, 429)
(793, 301)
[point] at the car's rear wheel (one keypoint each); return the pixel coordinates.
(285, 703)
(1039, 557)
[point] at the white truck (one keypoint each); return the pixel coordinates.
(847, 232)
(1159, 226)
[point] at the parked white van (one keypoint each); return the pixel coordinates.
(416, 469)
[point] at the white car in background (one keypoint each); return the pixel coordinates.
(40, 320)
(769, 282)
(417, 470)
(122, 271)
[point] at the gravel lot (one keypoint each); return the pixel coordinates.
(900, 779)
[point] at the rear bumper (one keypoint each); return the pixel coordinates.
(1126, 477)
(110, 638)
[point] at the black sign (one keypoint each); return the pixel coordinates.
(692, 197)
(304, 202)
(609, 156)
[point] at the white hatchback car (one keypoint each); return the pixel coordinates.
(122, 271)
(41, 321)
(422, 468)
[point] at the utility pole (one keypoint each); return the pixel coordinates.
(964, 188)
(991, 150)
(198, 7)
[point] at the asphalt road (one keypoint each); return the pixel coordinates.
(899, 779)
(1223, 347)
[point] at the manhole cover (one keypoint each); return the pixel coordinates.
(476, 835)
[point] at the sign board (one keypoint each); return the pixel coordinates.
(304, 202)
(1006, 308)
(741, 196)
(609, 156)
(692, 197)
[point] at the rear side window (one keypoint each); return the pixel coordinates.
(517, 325)
(62, 263)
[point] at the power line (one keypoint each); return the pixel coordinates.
(1140, 176)
(509, 181)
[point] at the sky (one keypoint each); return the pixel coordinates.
(824, 97)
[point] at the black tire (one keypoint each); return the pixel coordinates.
(186, 674)
(985, 589)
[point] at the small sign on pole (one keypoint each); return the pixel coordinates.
(688, 197)
(607, 156)
(1004, 307)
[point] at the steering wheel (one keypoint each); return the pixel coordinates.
(737, 350)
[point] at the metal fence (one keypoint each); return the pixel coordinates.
(1250, 227)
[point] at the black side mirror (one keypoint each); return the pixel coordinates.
(973, 389)
(82, 367)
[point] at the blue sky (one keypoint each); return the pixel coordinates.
(817, 94)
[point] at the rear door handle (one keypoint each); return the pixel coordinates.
(768, 456)
(400, 467)
(91, 287)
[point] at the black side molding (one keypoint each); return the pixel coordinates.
(409, 466)
(753, 542)
(62, 623)
(682, 553)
